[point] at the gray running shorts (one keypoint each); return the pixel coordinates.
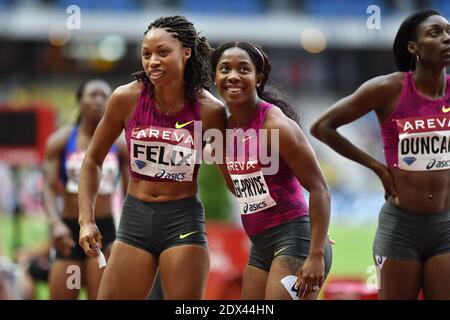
(290, 238)
(157, 226)
(410, 235)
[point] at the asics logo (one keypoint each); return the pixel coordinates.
(185, 235)
(445, 109)
(179, 126)
(438, 164)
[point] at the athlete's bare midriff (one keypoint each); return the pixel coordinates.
(103, 206)
(423, 192)
(418, 191)
(155, 191)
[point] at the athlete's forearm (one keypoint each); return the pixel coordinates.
(50, 208)
(319, 207)
(87, 191)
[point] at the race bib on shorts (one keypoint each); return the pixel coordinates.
(164, 153)
(424, 143)
(250, 186)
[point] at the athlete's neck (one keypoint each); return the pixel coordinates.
(88, 127)
(430, 83)
(169, 99)
(243, 113)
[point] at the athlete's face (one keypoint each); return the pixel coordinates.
(93, 101)
(235, 76)
(433, 42)
(163, 57)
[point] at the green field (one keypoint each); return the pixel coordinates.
(351, 253)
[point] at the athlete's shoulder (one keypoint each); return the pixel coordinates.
(208, 101)
(289, 132)
(276, 119)
(57, 141)
(123, 99)
(386, 84)
(127, 91)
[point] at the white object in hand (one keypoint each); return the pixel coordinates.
(101, 259)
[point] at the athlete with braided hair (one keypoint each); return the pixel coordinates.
(163, 222)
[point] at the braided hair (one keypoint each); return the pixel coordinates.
(197, 74)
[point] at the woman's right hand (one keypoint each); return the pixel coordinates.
(387, 180)
(62, 238)
(90, 239)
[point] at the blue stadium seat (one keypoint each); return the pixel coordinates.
(107, 5)
(220, 6)
(341, 7)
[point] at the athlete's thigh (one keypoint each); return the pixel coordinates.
(399, 279)
(93, 274)
(184, 271)
(65, 279)
(436, 277)
(129, 273)
(92, 277)
(254, 283)
(284, 266)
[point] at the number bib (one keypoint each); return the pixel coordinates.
(250, 186)
(110, 172)
(163, 153)
(424, 143)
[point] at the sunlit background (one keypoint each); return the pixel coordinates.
(321, 50)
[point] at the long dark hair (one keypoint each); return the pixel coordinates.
(404, 60)
(197, 74)
(263, 66)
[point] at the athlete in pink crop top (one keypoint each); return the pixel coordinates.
(412, 106)
(161, 146)
(162, 222)
(288, 259)
(263, 199)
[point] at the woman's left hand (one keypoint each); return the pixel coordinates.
(310, 276)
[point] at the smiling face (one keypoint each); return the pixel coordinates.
(236, 77)
(433, 42)
(163, 57)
